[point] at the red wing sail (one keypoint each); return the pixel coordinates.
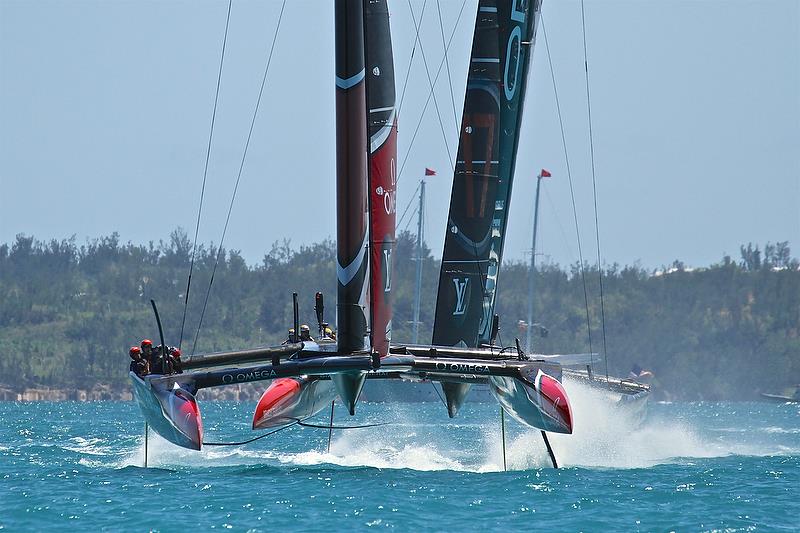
(382, 129)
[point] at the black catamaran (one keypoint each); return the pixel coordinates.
(307, 375)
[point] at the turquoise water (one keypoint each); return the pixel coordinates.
(686, 467)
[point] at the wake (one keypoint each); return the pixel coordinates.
(606, 436)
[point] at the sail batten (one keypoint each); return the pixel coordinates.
(484, 171)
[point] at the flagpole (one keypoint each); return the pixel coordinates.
(532, 272)
(418, 285)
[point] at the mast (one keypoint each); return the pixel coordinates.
(382, 130)
(352, 265)
(418, 284)
(532, 273)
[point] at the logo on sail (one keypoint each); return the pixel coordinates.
(461, 293)
(387, 261)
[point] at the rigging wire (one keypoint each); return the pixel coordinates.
(447, 64)
(295, 422)
(561, 230)
(205, 173)
(220, 250)
(410, 219)
(431, 83)
(248, 441)
(410, 62)
(594, 188)
(430, 94)
(438, 393)
(571, 189)
(413, 197)
(331, 426)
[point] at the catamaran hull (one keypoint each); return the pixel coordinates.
(172, 412)
(541, 404)
(288, 400)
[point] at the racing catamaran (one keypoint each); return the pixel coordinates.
(307, 375)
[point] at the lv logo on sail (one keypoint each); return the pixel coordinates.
(461, 292)
(387, 261)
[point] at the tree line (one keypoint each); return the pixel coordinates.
(69, 312)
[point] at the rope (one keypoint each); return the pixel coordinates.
(331, 426)
(220, 250)
(205, 173)
(432, 85)
(410, 219)
(571, 191)
(413, 197)
(562, 232)
(242, 443)
(430, 94)
(410, 62)
(447, 64)
(438, 394)
(295, 422)
(594, 188)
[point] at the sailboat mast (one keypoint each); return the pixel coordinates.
(418, 285)
(532, 273)
(352, 268)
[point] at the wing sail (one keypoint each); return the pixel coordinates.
(352, 268)
(484, 171)
(382, 130)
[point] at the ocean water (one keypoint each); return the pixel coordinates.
(685, 467)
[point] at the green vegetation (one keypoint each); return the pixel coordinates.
(68, 313)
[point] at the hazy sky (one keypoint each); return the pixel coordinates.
(105, 108)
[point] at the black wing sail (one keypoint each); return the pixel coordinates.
(484, 171)
(352, 268)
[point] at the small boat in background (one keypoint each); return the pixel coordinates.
(790, 395)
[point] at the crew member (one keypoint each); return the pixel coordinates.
(175, 356)
(147, 352)
(291, 338)
(138, 366)
(162, 362)
(329, 334)
(637, 373)
(305, 333)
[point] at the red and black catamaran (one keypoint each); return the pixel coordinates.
(306, 376)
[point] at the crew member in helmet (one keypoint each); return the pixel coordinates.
(291, 338)
(147, 352)
(327, 333)
(305, 333)
(175, 356)
(138, 365)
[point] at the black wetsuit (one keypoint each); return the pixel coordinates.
(139, 367)
(158, 367)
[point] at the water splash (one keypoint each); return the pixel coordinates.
(607, 436)
(612, 435)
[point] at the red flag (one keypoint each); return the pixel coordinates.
(429, 172)
(545, 173)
